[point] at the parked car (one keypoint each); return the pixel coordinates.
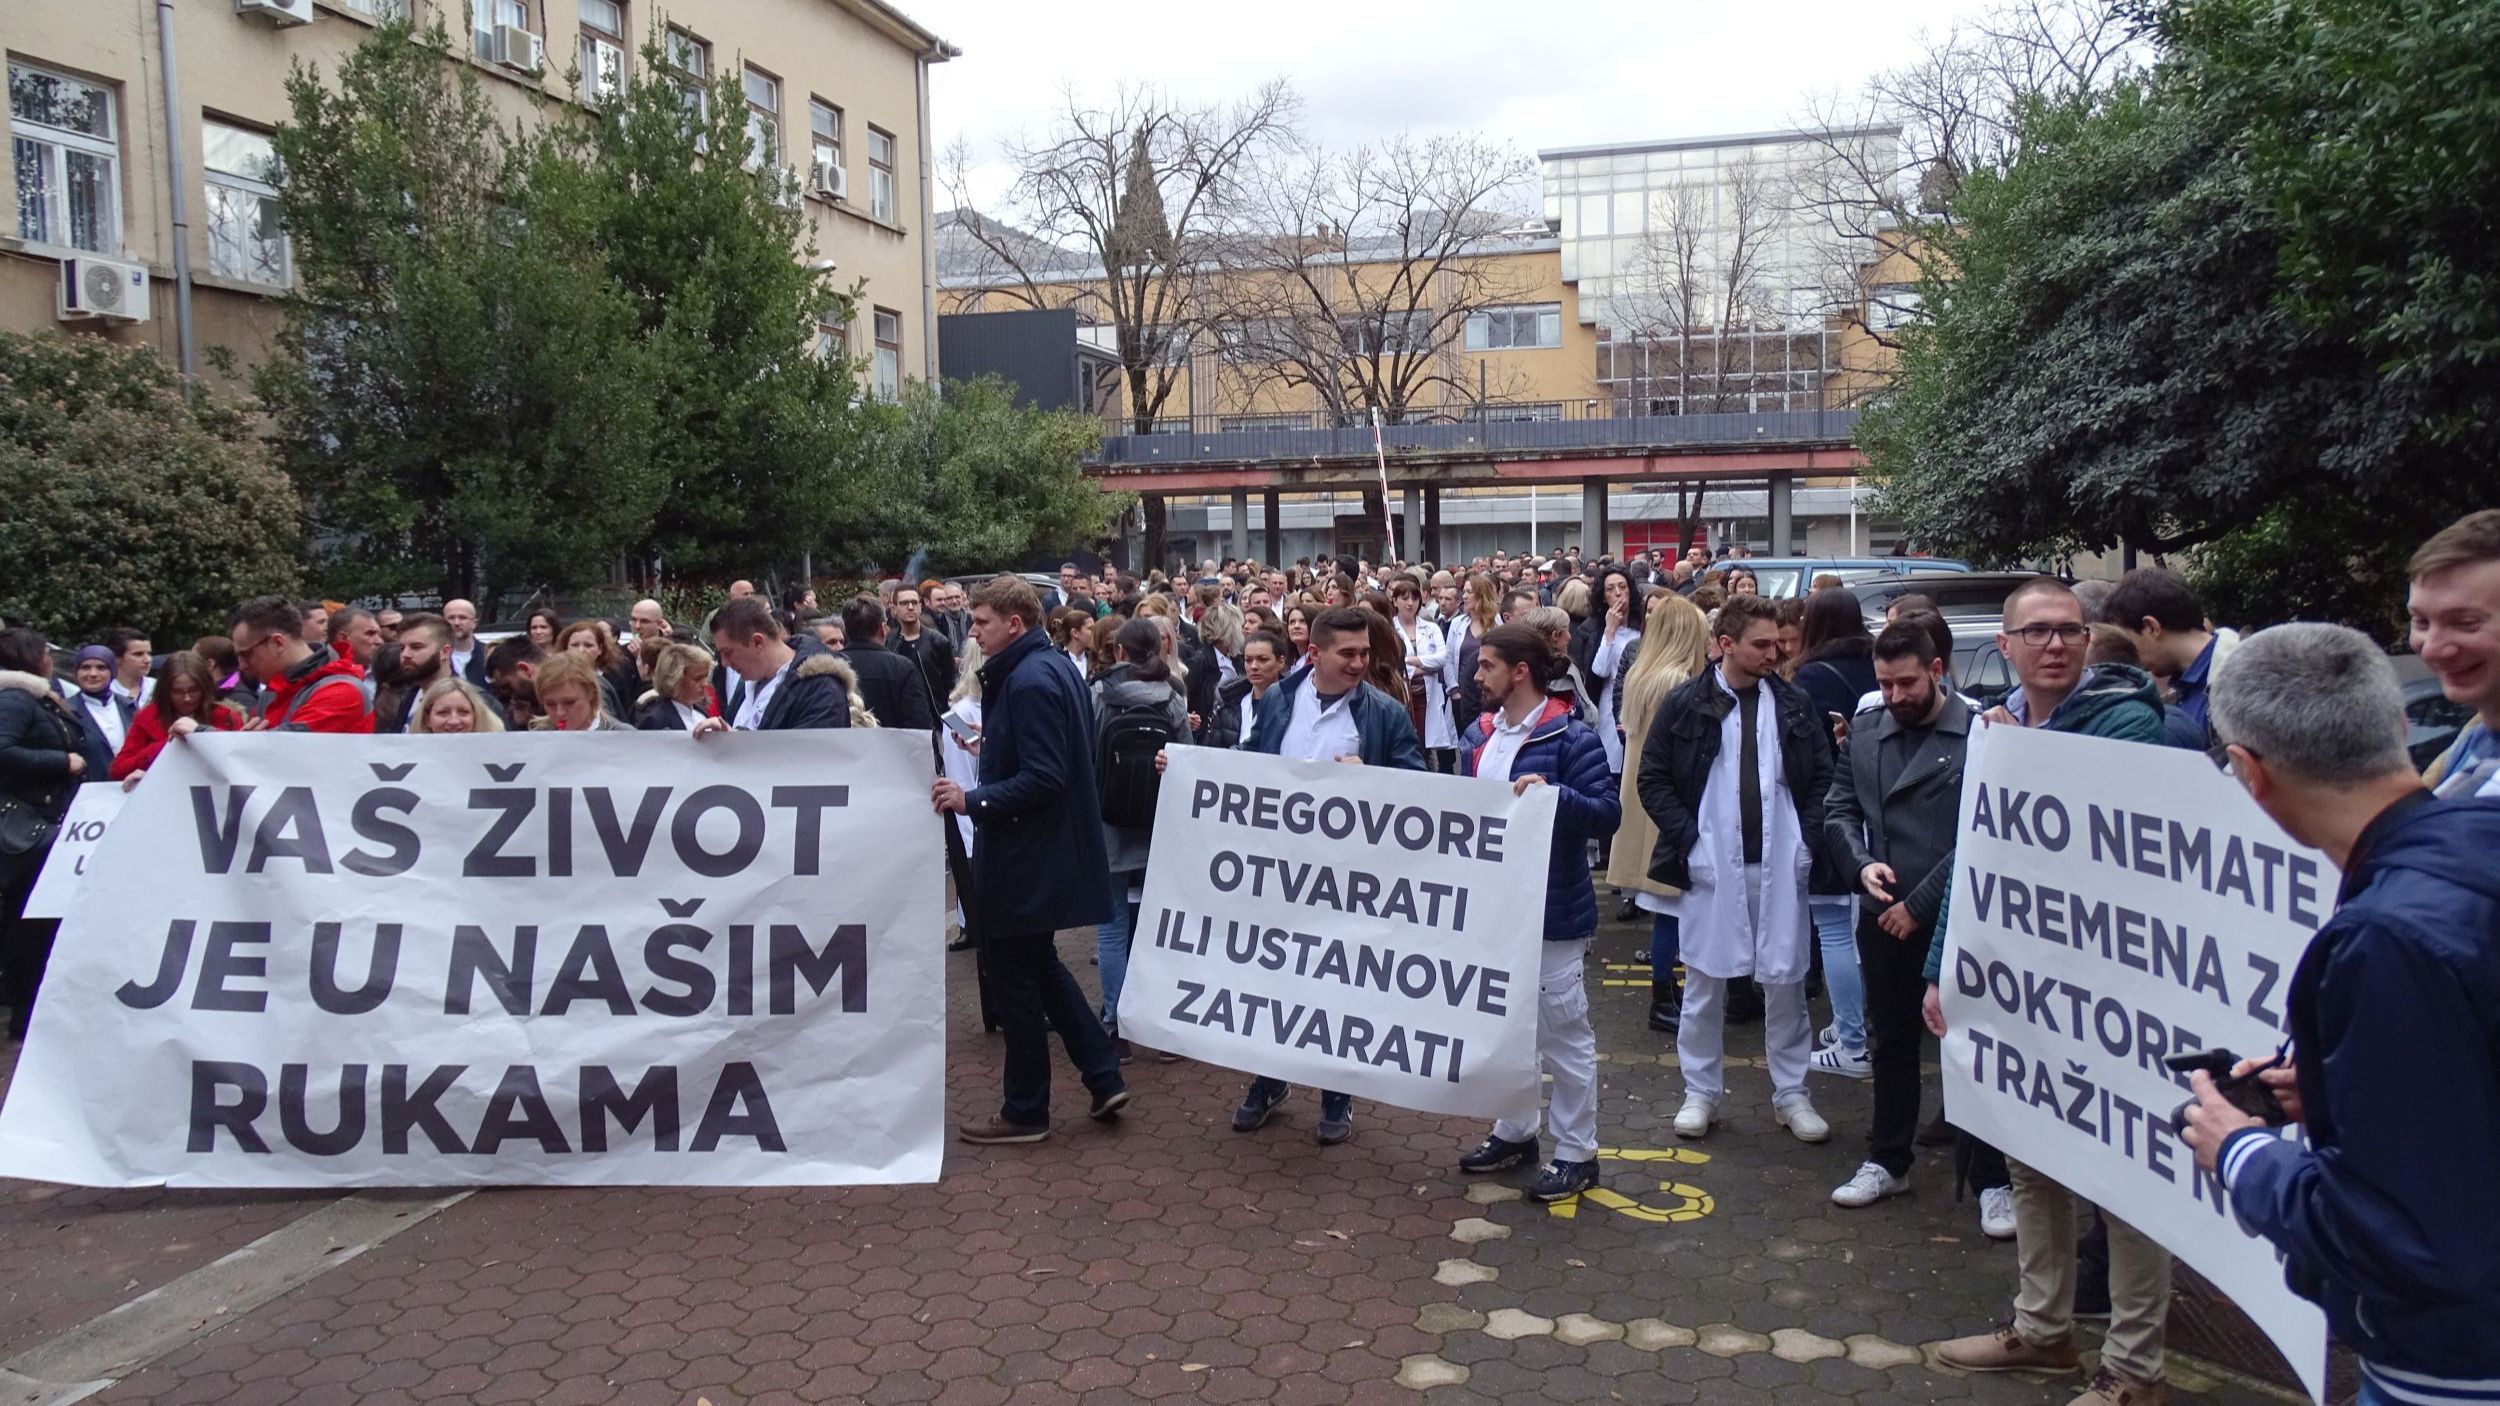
(1959, 596)
(2431, 720)
(1782, 577)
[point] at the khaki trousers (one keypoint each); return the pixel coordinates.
(2044, 1304)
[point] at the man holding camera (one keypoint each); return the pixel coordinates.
(2394, 1018)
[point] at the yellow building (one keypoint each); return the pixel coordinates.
(88, 243)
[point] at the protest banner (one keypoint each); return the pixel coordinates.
(91, 813)
(610, 959)
(2114, 904)
(1345, 927)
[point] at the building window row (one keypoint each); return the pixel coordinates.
(64, 139)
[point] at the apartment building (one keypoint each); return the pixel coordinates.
(101, 139)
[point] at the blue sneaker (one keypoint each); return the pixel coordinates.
(1336, 1119)
(1258, 1105)
(1498, 1154)
(1559, 1179)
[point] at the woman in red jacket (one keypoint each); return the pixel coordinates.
(187, 690)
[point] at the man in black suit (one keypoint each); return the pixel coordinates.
(893, 687)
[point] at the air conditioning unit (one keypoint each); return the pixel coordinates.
(280, 13)
(517, 48)
(828, 178)
(103, 288)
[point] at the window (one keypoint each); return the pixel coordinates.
(889, 354)
(244, 240)
(1510, 329)
(64, 139)
(1390, 334)
(383, 10)
(881, 175)
(824, 130)
(763, 117)
(603, 50)
(690, 61)
(491, 15)
(833, 340)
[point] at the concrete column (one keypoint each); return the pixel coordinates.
(1275, 528)
(1432, 523)
(1413, 495)
(1241, 523)
(1592, 518)
(1783, 542)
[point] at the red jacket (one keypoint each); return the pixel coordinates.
(334, 709)
(147, 736)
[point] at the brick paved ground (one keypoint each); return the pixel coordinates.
(1162, 1257)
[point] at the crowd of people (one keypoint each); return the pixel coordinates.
(1788, 829)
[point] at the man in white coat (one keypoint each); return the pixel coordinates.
(1734, 771)
(1427, 662)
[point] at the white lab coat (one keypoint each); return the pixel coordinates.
(1427, 653)
(1602, 670)
(963, 765)
(1721, 937)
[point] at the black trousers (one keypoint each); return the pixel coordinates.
(25, 943)
(1028, 985)
(1896, 988)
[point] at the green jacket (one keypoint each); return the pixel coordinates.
(2113, 700)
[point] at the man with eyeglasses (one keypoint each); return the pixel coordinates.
(309, 688)
(2044, 639)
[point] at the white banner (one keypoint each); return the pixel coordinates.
(605, 959)
(2113, 904)
(91, 813)
(1345, 927)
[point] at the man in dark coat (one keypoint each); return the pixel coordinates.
(893, 687)
(1038, 863)
(781, 688)
(932, 651)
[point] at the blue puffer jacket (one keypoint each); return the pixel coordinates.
(1564, 751)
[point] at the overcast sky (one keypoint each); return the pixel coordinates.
(1534, 73)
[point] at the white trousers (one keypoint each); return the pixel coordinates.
(1567, 1047)
(1787, 1037)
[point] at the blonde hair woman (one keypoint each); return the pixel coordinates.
(453, 706)
(569, 697)
(681, 690)
(1673, 648)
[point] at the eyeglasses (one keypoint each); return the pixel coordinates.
(2038, 635)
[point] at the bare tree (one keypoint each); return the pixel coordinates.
(1359, 271)
(1696, 299)
(1893, 156)
(1142, 189)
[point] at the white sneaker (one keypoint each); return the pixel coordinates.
(1828, 1035)
(1996, 1213)
(1848, 1064)
(1695, 1117)
(1799, 1117)
(1870, 1185)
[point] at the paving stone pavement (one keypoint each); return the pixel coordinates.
(1160, 1257)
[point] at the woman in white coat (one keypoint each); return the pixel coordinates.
(1427, 661)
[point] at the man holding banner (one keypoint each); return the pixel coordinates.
(1325, 712)
(1528, 738)
(2044, 638)
(2394, 1018)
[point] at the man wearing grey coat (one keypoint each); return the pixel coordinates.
(1890, 819)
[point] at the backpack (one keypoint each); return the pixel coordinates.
(1126, 742)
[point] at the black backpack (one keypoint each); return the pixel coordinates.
(1125, 744)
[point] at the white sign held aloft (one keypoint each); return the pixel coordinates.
(602, 959)
(1352, 928)
(2115, 904)
(91, 813)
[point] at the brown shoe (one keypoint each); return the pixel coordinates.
(2003, 1350)
(999, 1130)
(2110, 1389)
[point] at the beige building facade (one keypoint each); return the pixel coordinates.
(88, 238)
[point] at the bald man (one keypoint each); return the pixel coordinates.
(740, 590)
(649, 622)
(467, 659)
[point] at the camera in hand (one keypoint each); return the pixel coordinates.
(2245, 1093)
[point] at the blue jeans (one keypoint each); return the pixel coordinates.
(1111, 941)
(1834, 932)
(1666, 941)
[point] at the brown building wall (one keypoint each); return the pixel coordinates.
(852, 53)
